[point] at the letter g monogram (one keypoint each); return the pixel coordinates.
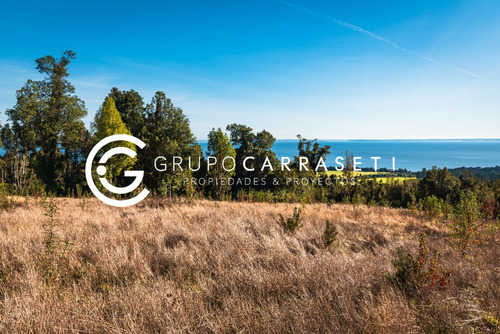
(101, 170)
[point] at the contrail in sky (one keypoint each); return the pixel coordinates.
(374, 36)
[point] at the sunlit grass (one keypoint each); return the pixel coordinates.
(230, 267)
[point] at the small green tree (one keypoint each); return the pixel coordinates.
(292, 224)
(108, 122)
(466, 222)
(220, 147)
(433, 207)
(414, 272)
(348, 171)
(330, 234)
(130, 105)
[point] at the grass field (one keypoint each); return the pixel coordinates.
(378, 176)
(228, 267)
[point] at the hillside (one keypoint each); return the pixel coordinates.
(212, 267)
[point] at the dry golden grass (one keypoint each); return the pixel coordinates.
(216, 267)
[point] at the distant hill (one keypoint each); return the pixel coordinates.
(484, 173)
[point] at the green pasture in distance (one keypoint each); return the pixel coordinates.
(378, 176)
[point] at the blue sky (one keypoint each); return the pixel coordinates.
(324, 69)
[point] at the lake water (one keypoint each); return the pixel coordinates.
(410, 154)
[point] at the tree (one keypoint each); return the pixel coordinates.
(77, 143)
(130, 105)
(348, 171)
(46, 112)
(167, 134)
(466, 222)
(15, 168)
(219, 146)
(257, 145)
(312, 151)
(440, 183)
(108, 122)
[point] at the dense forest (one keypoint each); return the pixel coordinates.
(46, 143)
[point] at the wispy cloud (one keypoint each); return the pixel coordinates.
(375, 36)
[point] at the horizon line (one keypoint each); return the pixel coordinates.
(380, 139)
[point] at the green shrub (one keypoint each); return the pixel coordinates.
(415, 272)
(7, 188)
(330, 234)
(293, 224)
(433, 207)
(466, 222)
(6, 202)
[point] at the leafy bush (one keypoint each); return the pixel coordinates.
(413, 273)
(433, 207)
(6, 202)
(293, 224)
(7, 188)
(466, 222)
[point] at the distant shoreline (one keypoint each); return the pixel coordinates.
(392, 140)
(411, 154)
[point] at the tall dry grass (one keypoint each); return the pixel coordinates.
(217, 267)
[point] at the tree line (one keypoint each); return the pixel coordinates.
(46, 143)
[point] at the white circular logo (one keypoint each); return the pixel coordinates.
(101, 170)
